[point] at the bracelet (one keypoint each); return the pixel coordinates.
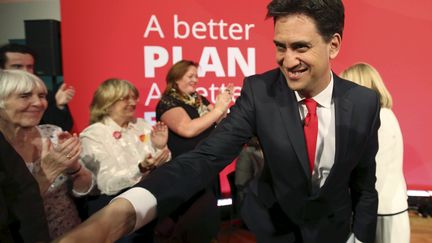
(143, 169)
(75, 171)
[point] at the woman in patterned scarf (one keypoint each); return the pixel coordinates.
(190, 118)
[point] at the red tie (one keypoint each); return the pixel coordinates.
(311, 130)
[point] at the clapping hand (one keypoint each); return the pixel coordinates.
(57, 158)
(224, 98)
(159, 135)
(64, 95)
(150, 162)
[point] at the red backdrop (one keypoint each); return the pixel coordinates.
(139, 40)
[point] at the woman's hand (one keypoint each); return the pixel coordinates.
(224, 98)
(150, 162)
(62, 157)
(159, 135)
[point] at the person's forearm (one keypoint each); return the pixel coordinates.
(107, 225)
(43, 182)
(198, 125)
(48, 172)
(82, 181)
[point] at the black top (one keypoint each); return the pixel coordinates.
(176, 143)
(55, 116)
(22, 215)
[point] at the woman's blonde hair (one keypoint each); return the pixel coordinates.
(18, 82)
(109, 92)
(366, 75)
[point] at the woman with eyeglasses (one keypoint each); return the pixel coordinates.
(119, 148)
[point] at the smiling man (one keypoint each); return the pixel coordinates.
(318, 134)
(20, 57)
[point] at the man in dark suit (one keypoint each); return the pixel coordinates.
(22, 216)
(306, 193)
(15, 56)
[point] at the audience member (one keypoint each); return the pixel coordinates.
(119, 148)
(393, 221)
(50, 154)
(15, 56)
(318, 179)
(191, 118)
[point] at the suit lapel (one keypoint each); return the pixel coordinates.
(288, 109)
(343, 110)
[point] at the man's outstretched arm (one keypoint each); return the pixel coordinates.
(107, 225)
(126, 213)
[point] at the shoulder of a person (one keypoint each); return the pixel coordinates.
(166, 97)
(141, 122)
(167, 100)
(94, 130)
(387, 115)
(354, 91)
(386, 111)
(273, 74)
(206, 101)
(263, 81)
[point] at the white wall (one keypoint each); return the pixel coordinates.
(14, 12)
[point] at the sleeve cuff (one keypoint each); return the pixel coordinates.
(80, 194)
(144, 204)
(353, 239)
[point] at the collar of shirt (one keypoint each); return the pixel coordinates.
(324, 97)
(111, 123)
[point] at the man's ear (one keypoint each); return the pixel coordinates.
(334, 45)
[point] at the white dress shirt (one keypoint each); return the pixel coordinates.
(326, 145)
(390, 184)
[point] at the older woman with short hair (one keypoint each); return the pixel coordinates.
(50, 154)
(119, 148)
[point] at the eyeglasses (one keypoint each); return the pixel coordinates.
(129, 98)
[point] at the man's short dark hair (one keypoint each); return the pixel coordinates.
(329, 15)
(14, 48)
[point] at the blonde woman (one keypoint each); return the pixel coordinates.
(119, 148)
(393, 221)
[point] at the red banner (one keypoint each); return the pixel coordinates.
(139, 40)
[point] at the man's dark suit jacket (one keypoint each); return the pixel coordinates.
(22, 216)
(54, 116)
(283, 205)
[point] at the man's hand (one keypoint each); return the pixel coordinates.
(64, 95)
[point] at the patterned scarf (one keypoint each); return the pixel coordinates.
(193, 100)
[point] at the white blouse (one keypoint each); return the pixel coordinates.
(390, 184)
(113, 153)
